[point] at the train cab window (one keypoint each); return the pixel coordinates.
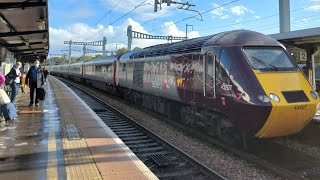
(209, 75)
(225, 64)
(269, 59)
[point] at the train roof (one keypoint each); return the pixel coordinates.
(63, 65)
(78, 63)
(190, 45)
(229, 38)
(241, 38)
(102, 60)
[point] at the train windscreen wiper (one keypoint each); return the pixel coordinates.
(264, 63)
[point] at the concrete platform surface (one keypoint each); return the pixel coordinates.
(63, 139)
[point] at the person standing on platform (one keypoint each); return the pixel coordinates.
(23, 82)
(35, 79)
(15, 75)
(45, 72)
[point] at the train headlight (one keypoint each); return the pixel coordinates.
(313, 95)
(264, 98)
(274, 97)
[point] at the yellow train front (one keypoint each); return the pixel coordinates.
(294, 103)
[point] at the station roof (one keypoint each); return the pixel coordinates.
(24, 28)
(304, 38)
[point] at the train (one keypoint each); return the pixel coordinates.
(231, 84)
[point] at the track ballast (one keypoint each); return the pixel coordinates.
(164, 159)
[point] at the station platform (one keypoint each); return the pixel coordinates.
(63, 139)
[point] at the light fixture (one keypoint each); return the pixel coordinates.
(5, 22)
(274, 97)
(313, 95)
(41, 24)
(44, 40)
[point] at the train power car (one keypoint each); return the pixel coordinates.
(229, 84)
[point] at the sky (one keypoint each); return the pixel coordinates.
(91, 20)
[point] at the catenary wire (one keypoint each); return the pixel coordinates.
(118, 19)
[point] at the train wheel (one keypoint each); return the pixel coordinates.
(212, 125)
(186, 117)
(228, 133)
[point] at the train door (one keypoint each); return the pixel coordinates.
(115, 72)
(209, 75)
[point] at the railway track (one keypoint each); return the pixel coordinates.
(164, 159)
(281, 161)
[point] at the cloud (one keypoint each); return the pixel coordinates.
(219, 11)
(240, 10)
(256, 17)
(224, 17)
(314, 8)
(239, 20)
(172, 30)
(114, 34)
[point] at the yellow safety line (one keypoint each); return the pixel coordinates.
(30, 111)
(52, 169)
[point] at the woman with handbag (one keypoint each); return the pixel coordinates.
(8, 111)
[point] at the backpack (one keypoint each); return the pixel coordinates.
(9, 79)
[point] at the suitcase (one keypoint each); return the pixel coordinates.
(41, 93)
(9, 111)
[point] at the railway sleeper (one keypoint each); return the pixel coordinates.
(126, 132)
(149, 149)
(117, 129)
(143, 145)
(129, 138)
(133, 134)
(140, 141)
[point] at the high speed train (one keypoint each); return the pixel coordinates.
(229, 84)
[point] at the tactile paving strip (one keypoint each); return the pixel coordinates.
(79, 163)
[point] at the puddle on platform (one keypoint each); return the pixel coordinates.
(21, 144)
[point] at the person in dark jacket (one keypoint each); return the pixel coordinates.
(15, 74)
(45, 72)
(35, 79)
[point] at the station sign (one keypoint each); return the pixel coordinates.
(303, 56)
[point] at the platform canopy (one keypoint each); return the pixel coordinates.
(24, 28)
(305, 38)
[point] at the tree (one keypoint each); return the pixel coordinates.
(58, 60)
(137, 48)
(88, 57)
(121, 51)
(98, 56)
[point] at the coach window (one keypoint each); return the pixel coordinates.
(124, 73)
(209, 75)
